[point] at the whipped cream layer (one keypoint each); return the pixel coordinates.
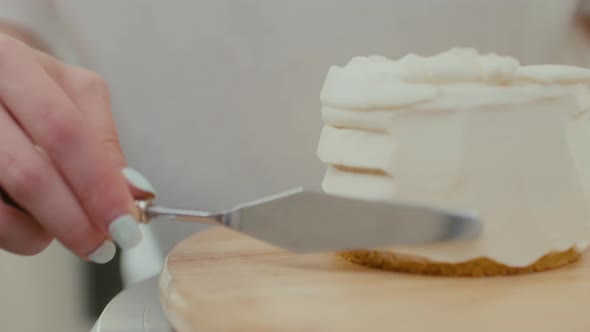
(467, 131)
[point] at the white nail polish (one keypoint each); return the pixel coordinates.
(138, 180)
(125, 232)
(104, 253)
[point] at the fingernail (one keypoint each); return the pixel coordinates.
(104, 253)
(125, 231)
(138, 180)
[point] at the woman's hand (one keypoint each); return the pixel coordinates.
(60, 159)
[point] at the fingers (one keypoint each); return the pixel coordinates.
(90, 93)
(33, 182)
(139, 186)
(52, 121)
(20, 234)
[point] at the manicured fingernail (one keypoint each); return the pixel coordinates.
(125, 231)
(104, 253)
(138, 180)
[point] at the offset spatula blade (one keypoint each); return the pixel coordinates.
(305, 221)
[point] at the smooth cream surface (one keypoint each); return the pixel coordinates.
(467, 131)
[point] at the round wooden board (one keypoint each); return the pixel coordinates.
(218, 280)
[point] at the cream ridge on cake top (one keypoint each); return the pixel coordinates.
(470, 131)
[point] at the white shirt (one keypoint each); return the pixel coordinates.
(217, 102)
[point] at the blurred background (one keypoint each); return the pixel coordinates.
(217, 102)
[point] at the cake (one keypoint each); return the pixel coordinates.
(467, 131)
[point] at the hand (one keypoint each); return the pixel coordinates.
(60, 159)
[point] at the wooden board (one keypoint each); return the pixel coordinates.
(218, 280)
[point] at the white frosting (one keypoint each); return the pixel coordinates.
(553, 74)
(466, 131)
(370, 150)
(368, 186)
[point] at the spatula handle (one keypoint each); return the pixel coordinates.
(149, 211)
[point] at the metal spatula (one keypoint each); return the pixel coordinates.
(306, 221)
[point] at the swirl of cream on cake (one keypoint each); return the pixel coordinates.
(465, 130)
